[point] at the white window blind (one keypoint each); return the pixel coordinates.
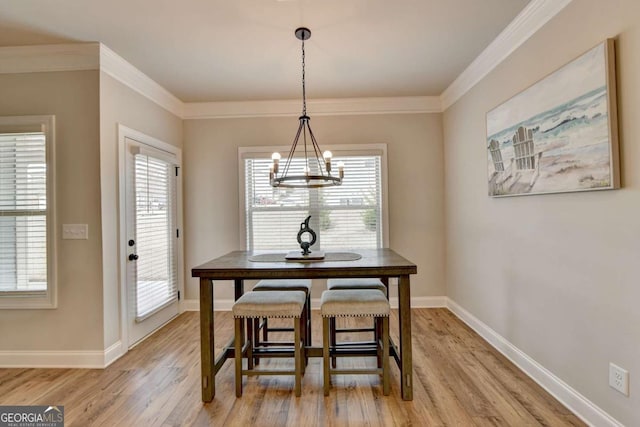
(156, 270)
(343, 217)
(23, 213)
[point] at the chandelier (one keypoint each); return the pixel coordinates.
(317, 165)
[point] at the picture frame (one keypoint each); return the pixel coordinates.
(560, 134)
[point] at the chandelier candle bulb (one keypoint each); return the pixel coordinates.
(275, 157)
(327, 160)
(341, 170)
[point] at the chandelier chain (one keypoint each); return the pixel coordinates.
(304, 91)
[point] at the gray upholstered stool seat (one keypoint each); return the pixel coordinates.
(270, 304)
(275, 304)
(356, 303)
(284, 285)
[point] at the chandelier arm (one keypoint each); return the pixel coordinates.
(318, 152)
(304, 136)
(285, 170)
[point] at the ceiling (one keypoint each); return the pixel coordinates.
(241, 50)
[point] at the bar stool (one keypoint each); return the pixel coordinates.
(349, 284)
(303, 285)
(356, 303)
(257, 305)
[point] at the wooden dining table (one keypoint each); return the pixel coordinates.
(238, 266)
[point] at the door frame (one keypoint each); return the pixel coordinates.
(125, 132)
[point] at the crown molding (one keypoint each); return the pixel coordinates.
(536, 14)
(53, 57)
(121, 70)
(92, 56)
(316, 107)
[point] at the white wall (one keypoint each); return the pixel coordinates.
(77, 322)
(87, 105)
(120, 104)
(556, 275)
(415, 160)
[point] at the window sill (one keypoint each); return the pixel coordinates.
(32, 301)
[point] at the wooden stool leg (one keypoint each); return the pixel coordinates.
(297, 356)
(385, 356)
(256, 337)
(304, 333)
(378, 336)
(308, 337)
(250, 337)
(377, 325)
(332, 342)
(325, 354)
(239, 342)
(265, 330)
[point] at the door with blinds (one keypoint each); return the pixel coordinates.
(151, 233)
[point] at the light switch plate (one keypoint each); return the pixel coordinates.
(75, 231)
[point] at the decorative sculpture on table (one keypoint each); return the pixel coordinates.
(306, 244)
(304, 228)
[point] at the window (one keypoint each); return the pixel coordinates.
(26, 219)
(349, 216)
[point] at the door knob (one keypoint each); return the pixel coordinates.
(133, 257)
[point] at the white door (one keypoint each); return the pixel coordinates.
(151, 239)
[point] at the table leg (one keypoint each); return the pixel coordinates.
(238, 288)
(206, 340)
(404, 305)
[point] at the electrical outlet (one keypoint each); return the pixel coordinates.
(619, 379)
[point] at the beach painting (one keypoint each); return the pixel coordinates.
(560, 134)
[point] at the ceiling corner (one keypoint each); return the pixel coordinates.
(124, 72)
(533, 17)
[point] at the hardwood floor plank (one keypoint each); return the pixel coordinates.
(459, 380)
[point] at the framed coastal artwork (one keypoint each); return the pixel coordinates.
(560, 134)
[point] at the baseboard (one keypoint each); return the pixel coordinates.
(218, 305)
(113, 353)
(577, 403)
(189, 305)
(88, 359)
(226, 304)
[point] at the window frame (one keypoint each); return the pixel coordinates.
(337, 150)
(47, 299)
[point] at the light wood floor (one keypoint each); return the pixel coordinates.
(459, 380)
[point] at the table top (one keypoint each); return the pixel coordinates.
(373, 263)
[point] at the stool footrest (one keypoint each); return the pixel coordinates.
(355, 344)
(372, 371)
(256, 372)
(346, 330)
(280, 329)
(272, 352)
(274, 344)
(353, 352)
